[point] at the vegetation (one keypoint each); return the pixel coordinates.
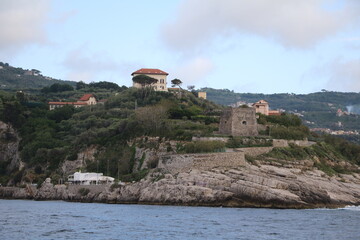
(203, 147)
(240, 142)
(51, 137)
(318, 110)
(12, 78)
(48, 138)
(84, 191)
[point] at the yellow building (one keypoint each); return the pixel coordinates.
(158, 74)
(262, 107)
(202, 95)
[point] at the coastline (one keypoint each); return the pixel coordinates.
(251, 186)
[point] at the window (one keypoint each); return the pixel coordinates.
(161, 80)
(244, 122)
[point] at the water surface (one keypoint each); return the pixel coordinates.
(23, 219)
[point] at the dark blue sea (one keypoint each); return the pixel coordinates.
(21, 219)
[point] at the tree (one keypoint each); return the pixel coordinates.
(57, 87)
(176, 82)
(35, 71)
(152, 118)
(80, 85)
(144, 80)
(191, 88)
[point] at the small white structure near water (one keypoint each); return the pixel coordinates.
(89, 179)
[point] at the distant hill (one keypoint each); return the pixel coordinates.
(15, 78)
(318, 110)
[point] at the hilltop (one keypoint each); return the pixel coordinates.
(16, 78)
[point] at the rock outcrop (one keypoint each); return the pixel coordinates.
(9, 144)
(245, 186)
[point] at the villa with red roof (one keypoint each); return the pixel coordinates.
(262, 107)
(154, 73)
(87, 99)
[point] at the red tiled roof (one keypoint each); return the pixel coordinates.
(67, 103)
(274, 113)
(86, 97)
(150, 71)
(261, 103)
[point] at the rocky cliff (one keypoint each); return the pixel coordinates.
(293, 186)
(9, 145)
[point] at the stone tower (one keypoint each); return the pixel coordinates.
(238, 122)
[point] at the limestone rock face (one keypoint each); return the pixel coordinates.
(88, 154)
(295, 185)
(9, 145)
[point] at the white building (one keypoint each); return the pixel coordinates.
(89, 178)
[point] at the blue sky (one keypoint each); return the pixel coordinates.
(267, 46)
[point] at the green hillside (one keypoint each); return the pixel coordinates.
(123, 124)
(318, 110)
(15, 78)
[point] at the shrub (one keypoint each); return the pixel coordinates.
(136, 176)
(204, 146)
(84, 191)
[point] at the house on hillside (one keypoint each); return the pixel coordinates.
(262, 107)
(202, 95)
(87, 99)
(158, 74)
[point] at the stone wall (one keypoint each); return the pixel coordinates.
(221, 139)
(285, 143)
(254, 151)
(186, 162)
(238, 122)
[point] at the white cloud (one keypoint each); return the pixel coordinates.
(22, 23)
(293, 23)
(87, 66)
(194, 71)
(345, 76)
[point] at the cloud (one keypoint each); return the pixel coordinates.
(22, 23)
(293, 23)
(87, 66)
(194, 70)
(345, 76)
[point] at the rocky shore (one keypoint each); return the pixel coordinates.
(249, 185)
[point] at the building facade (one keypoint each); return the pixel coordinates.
(160, 85)
(202, 95)
(262, 107)
(89, 178)
(87, 99)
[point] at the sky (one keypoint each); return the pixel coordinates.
(257, 46)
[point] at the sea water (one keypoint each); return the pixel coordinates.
(24, 219)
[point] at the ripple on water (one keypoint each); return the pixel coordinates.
(63, 220)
